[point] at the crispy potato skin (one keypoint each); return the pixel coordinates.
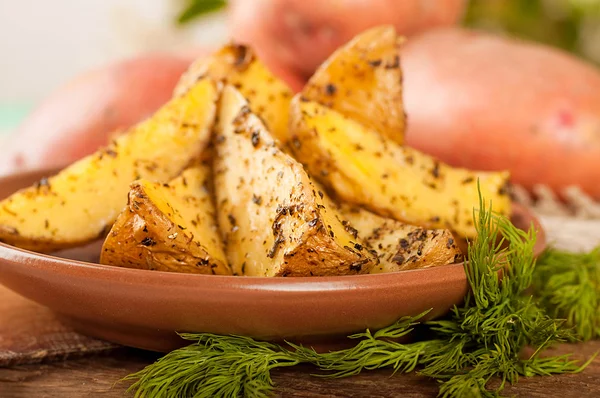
(272, 218)
(168, 227)
(486, 102)
(367, 169)
(363, 81)
(81, 203)
(268, 96)
(401, 246)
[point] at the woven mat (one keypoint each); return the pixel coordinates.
(30, 333)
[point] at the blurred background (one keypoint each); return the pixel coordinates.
(46, 43)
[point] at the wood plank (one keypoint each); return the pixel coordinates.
(96, 376)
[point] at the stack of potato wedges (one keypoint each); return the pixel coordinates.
(236, 175)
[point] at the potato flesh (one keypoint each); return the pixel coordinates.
(363, 81)
(402, 246)
(364, 168)
(273, 220)
(189, 200)
(269, 97)
(169, 227)
(81, 202)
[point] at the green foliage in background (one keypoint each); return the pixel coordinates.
(197, 8)
(573, 25)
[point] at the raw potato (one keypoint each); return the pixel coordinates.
(81, 202)
(272, 218)
(401, 246)
(488, 102)
(301, 34)
(169, 227)
(364, 168)
(269, 96)
(363, 81)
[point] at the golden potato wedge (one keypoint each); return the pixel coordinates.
(168, 227)
(238, 65)
(399, 246)
(363, 81)
(402, 246)
(365, 168)
(80, 203)
(272, 218)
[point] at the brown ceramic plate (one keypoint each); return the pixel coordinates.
(144, 308)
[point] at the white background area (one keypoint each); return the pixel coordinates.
(44, 43)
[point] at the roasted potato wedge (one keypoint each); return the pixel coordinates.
(272, 218)
(363, 81)
(402, 246)
(238, 65)
(80, 203)
(365, 168)
(169, 227)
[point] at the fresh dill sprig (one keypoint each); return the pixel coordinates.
(487, 334)
(568, 286)
(214, 366)
(480, 340)
(483, 338)
(373, 351)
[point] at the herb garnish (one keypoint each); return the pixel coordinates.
(568, 286)
(483, 338)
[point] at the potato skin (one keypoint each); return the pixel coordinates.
(82, 116)
(402, 246)
(299, 35)
(485, 102)
(273, 220)
(153, 232)
(364, 168)
(363, 81)
(80, 203)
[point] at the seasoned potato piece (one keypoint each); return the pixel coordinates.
(364, 168)
(402, 246)
(81, 202)
(363, 81)
(238, 65)
(168, 227)
(273, 220)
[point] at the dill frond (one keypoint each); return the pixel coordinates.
(568, 287)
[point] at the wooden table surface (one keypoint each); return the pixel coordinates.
(96, 376)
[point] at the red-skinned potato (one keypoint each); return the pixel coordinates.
(484, 102)
(82, 116)
(300, 34)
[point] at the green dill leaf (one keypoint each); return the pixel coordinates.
(229, 366)
(568, 286)
(373, 351)
(487, 334)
